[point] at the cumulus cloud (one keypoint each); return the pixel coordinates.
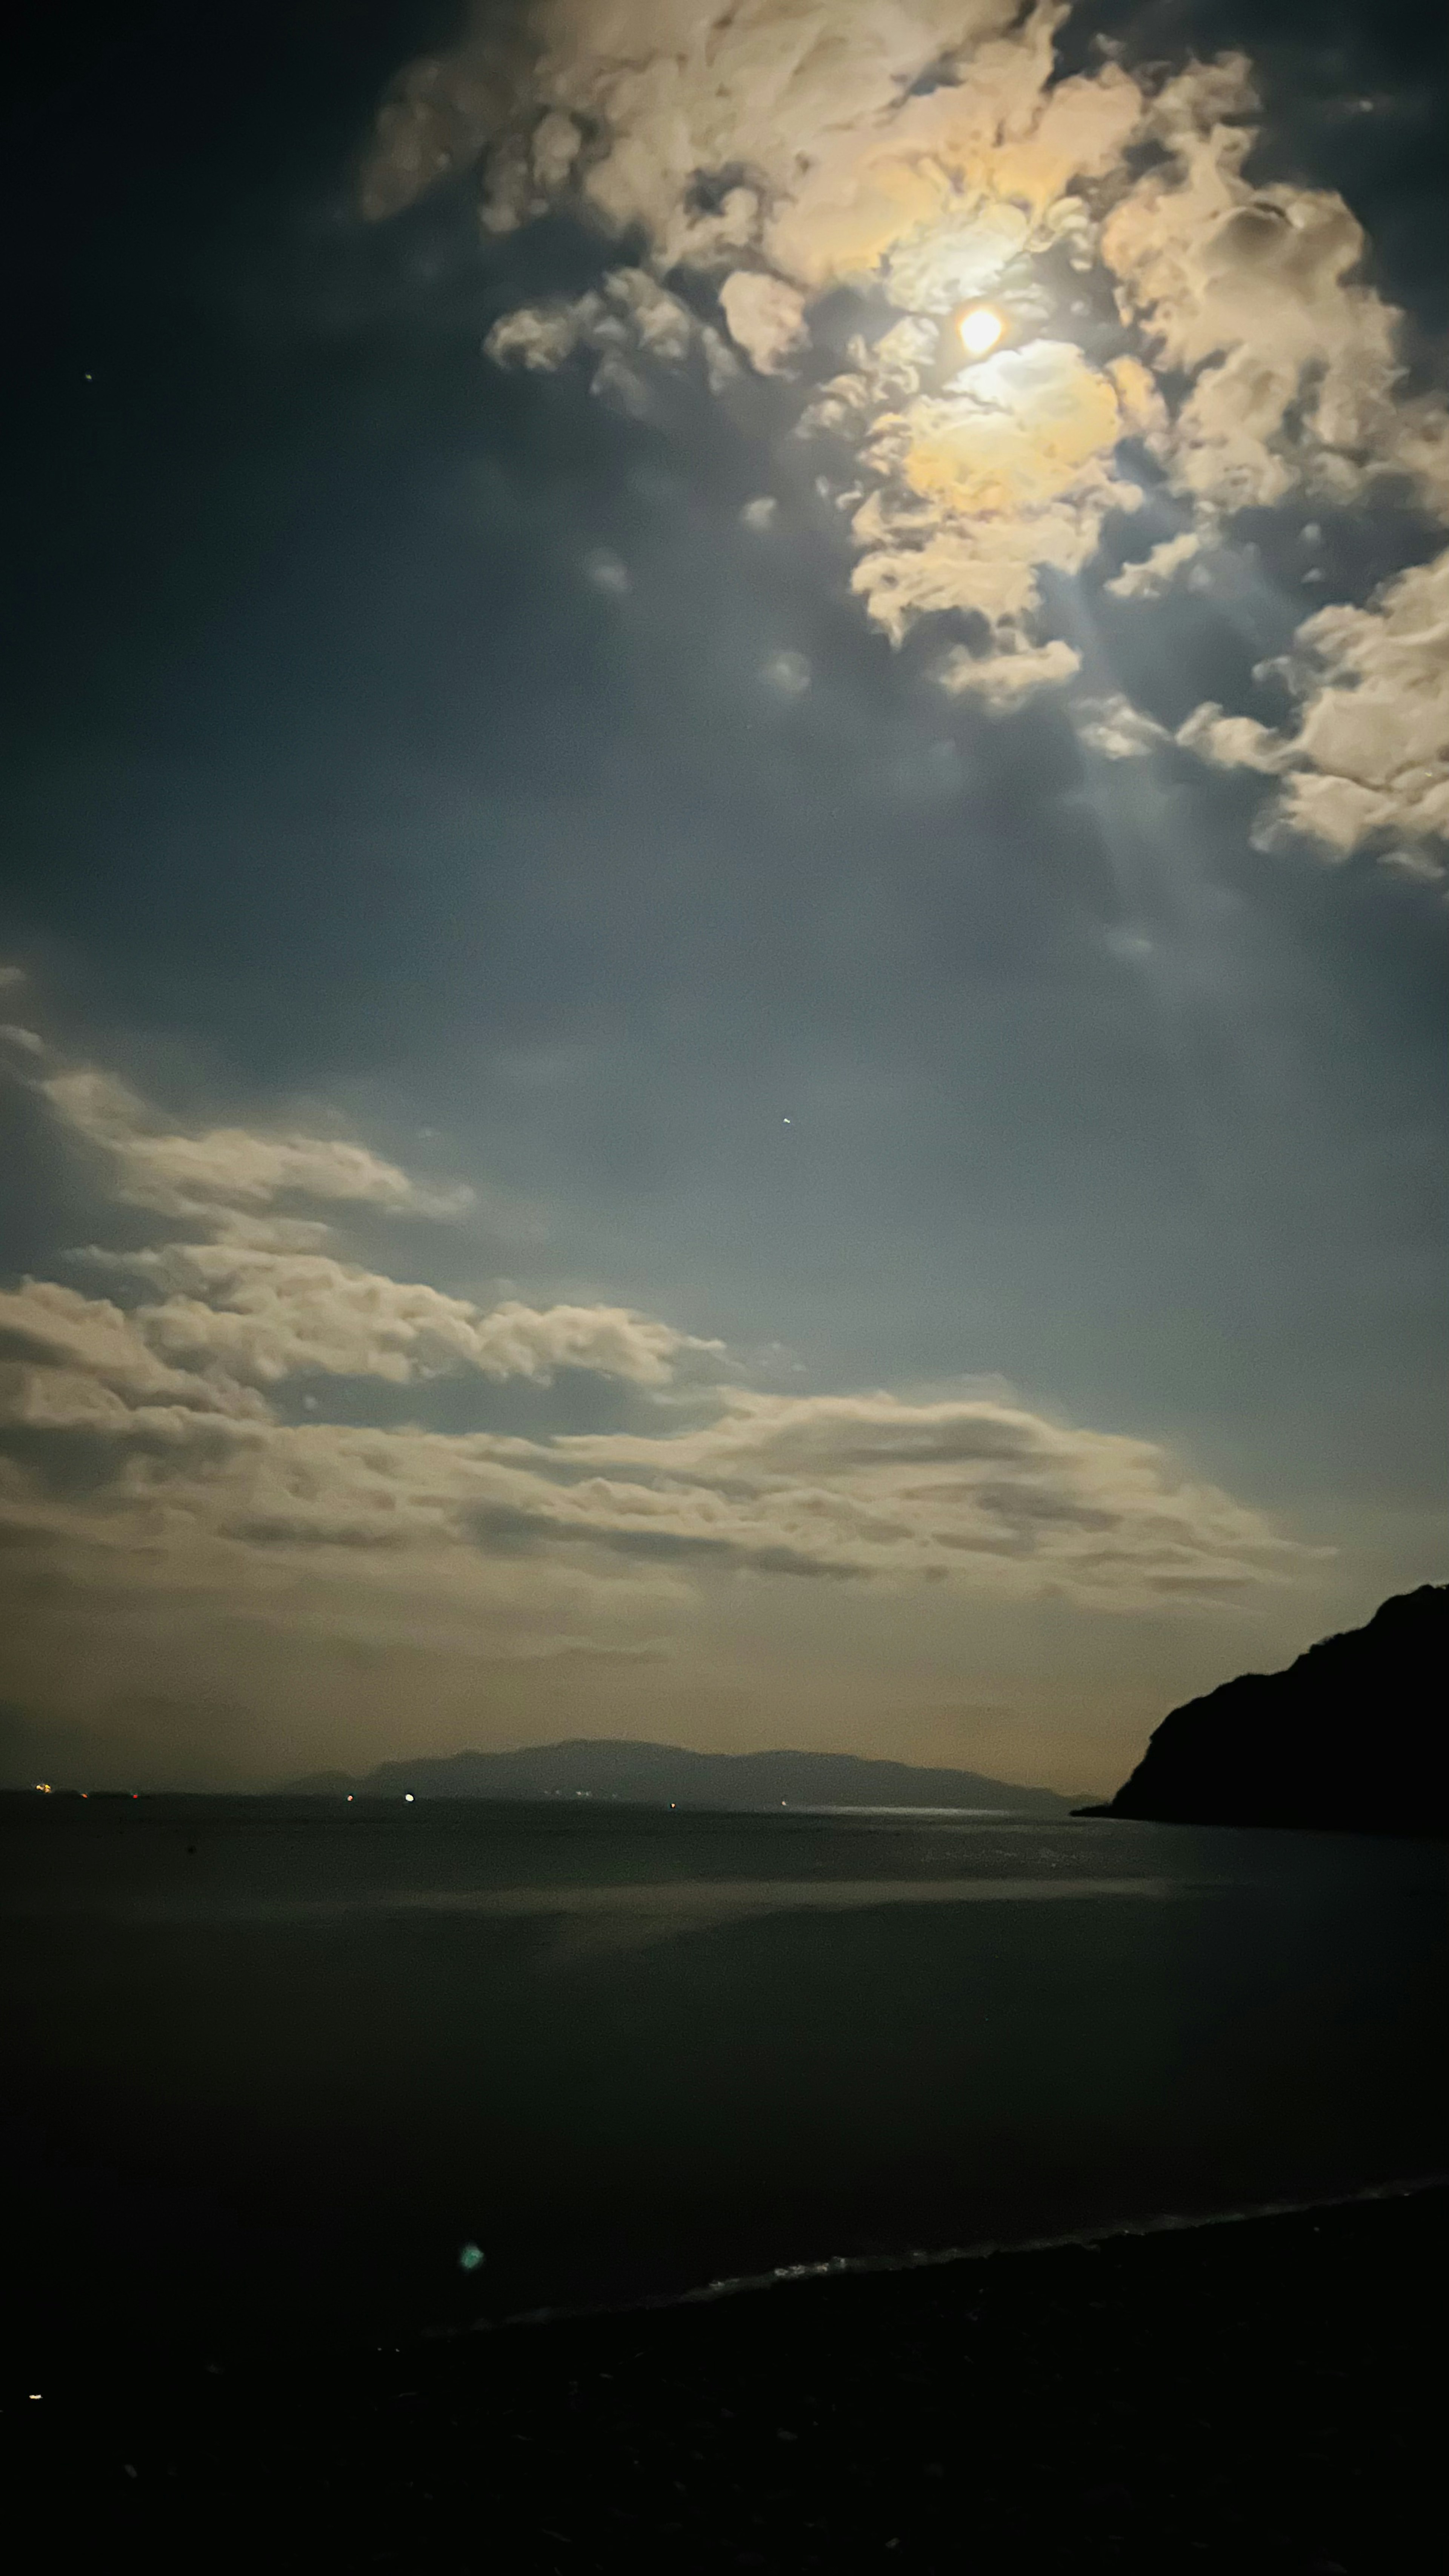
(765, 316)
(1158, 571)
(1368, 761)
(268, 1316)
(928, 155)
(978, 488)
(973, 479)
(538, 336)
(627, 324)
(1233, 742)
(261, 1301)
(1252, 290)
(1115, 729)
(1001, 681)
(50, 1328)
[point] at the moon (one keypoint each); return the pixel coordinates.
(980, 327)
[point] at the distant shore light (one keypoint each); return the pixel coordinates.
(980, 327)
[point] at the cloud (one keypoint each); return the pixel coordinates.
(927, 154)
(1368, 762)
(25, 1041)
(262, 1300)
(629, 323)
(787, 673)
(1158, 571)
(538, 336)
(435, 122)
(160, 1521)
(797, 138)
(979, 488)
(980, 1493)
(225, 1171)
(607, 572)
(1115, 729)
(1249, 289)
(161, 1517)
(1233, 742)
(765, 316)
(1002, 681)
(145, 1433)
(270, 1316)
(52, 1328)
(822, 158)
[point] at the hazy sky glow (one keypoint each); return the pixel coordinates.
(725, 1001)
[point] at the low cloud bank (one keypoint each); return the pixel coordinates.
(159, 1428)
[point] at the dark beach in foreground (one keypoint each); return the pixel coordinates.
(272, 2069)
(1259, 2394)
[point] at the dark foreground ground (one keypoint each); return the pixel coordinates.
(1265, 2394)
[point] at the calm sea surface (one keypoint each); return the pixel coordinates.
(286, 2067)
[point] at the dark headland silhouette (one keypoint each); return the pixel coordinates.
(669, 1775)
(1351, 1738)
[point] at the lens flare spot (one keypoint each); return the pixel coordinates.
(980, 328)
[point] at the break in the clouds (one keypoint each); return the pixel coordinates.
(1150, 307)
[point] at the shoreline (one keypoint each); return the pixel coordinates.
(838, 2267)
(1238, 2393)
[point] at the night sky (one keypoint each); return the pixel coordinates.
(681, 1064)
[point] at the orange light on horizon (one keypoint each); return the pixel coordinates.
(980, 327)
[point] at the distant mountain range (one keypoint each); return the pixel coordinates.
(1346, 1740)
(669, 1775)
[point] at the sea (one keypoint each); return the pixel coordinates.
(289, 2069)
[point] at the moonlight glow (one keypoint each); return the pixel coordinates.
(879, 553)
(980, 327)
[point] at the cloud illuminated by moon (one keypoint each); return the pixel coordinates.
(927, 157)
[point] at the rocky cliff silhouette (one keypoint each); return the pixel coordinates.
(1351, 1738)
